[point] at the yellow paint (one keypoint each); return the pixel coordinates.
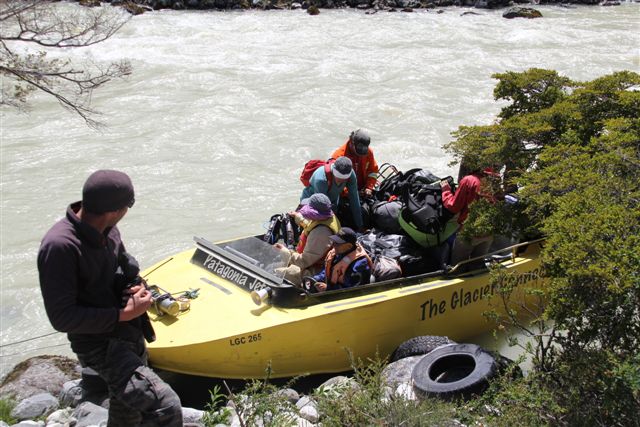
(225, 335)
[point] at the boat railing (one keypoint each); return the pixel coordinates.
(496, 256)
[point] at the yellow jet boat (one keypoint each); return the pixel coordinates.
(248, 322)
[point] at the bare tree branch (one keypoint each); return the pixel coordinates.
(49, 25)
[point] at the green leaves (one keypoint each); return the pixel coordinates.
(573, 150)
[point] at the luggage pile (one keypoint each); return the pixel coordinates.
(408, 222)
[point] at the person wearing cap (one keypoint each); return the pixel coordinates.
(470, 189)
(318, 223)
(364, 164)
(347, 264)
(81, 265)
(342, 176)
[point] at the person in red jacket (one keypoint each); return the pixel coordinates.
(470, 188)
(364, 164)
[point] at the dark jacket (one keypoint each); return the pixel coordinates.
(82, 296)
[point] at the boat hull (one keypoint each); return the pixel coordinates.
(225, 335)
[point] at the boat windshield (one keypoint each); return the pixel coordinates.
(259, 254)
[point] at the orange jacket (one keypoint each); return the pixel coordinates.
(365, 167)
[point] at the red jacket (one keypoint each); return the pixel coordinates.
(468, 191)
(365, 167)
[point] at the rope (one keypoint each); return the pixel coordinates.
(29, 339)
(33, 349)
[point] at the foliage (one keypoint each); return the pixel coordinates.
(573, 151)
(36, 38)
(214, 413)
(518, 401)
(6, 406)
(365, 401)
(259, 403)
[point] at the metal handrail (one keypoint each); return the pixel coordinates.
(511, 248)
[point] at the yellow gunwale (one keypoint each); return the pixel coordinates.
(225, 335)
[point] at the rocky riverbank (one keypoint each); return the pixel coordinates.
(313, 6)
(54, 391)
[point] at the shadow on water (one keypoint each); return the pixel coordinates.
(194, 390)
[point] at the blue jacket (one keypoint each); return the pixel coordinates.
(358, 273)
(319, 184)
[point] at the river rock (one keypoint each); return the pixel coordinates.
(90, 414)
(191, 415)
(399, 372)
(62, 417)
(35, 406)
(29, 423)
(40, 374)
(289, 394)
(522, 12)
(308, 409)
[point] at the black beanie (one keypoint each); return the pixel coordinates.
(107, 191)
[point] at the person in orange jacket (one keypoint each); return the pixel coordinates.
(364, 164)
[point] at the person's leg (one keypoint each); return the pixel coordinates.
(481, 247)
(461, 250)
(137, 396)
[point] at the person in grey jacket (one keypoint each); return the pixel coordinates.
(91, 291)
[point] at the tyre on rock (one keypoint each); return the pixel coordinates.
(452, 371)
(419, 345)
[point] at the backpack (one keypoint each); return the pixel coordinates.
(395, 185)
(424, 206)
(311, 166)
(385, 268)
(384, 216)
(281, 227)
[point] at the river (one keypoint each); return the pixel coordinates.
(223, 109)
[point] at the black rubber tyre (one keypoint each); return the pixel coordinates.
(456, 370)
(417, 346)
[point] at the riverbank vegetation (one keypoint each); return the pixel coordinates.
(571, 152)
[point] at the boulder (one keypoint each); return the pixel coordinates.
(40, 374)
(289, 394)
(35, 406)
(399, 372)
(308, 409)
(89, 414)
(61, 416)
(191, 415)
(522, 12)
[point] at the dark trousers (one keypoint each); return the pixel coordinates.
(137, 396)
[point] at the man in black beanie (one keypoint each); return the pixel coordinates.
(84, 278)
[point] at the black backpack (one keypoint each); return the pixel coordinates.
(282, 227)
(423, 204)
(396, 183)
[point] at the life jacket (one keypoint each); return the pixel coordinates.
(335, 272)
(333, 223)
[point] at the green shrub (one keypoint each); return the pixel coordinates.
(6, 406)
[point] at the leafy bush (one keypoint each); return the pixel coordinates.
(573, 151)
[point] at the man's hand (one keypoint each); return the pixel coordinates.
(321, 286)
(137, 304)
(444, 185)
(368, 192)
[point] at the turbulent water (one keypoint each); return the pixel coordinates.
(223, 108)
